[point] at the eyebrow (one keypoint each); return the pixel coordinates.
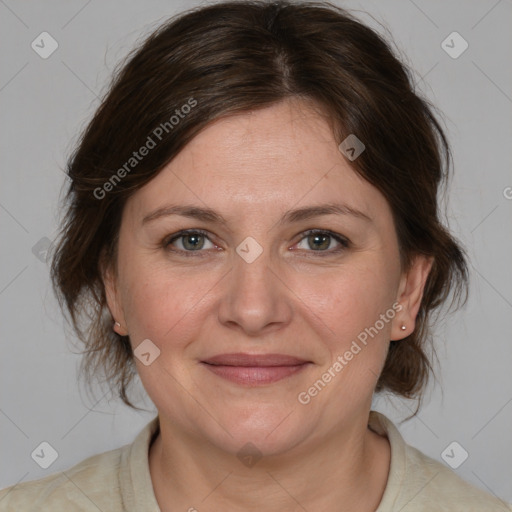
(296, 215)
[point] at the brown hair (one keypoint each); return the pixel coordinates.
(233, 57)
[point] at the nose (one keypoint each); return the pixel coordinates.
(255, 298)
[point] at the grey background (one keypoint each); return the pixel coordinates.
(45, 103)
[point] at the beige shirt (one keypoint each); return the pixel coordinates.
(119, 481)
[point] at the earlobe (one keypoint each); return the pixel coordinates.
(111, 294)
(410, 295)
(118, 328)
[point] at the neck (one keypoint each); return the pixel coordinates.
(346, 470)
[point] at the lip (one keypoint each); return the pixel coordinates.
(254, 369)
(241, 359)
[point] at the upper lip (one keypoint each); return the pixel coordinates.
(241, 359)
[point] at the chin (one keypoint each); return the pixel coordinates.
(271, 429)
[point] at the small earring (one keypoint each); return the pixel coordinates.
(403, 327)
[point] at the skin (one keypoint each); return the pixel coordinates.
(294, 299)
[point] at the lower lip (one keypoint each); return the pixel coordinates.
(254, 375)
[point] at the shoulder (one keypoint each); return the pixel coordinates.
(431, 484)
(417, 482)
(90, 485)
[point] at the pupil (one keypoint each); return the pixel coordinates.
(195, 241)
(317, 238)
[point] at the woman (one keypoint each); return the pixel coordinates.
(253, 228)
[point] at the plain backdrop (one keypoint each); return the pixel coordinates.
(46, 102)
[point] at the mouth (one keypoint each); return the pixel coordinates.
(254, 370)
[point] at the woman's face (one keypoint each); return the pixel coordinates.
(254, 282)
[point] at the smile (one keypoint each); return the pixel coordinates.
(254, 375)
(253, 370)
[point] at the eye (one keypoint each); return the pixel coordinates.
(189, 241)
(322, 241)
(318, 241)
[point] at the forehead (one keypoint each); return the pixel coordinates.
(263, 161)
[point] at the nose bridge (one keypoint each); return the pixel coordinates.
(254, 297)
(251, 271)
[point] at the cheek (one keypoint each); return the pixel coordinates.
(349, 299)
(161, 304)
(350, 304)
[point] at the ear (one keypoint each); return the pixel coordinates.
(109, 278)
(410, 293)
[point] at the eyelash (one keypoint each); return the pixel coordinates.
(344, 242)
